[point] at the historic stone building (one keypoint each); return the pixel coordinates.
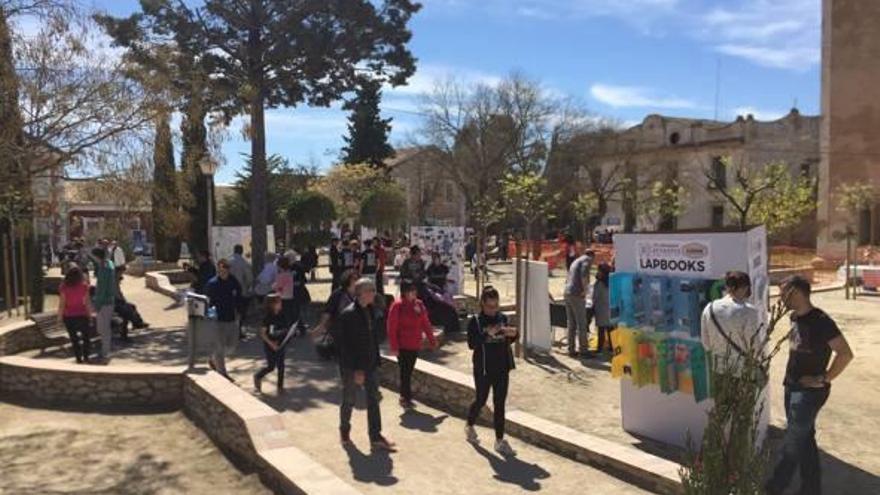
(432, 197)
(850, 137)
(684, 150)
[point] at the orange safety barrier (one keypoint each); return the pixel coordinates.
(553, 253)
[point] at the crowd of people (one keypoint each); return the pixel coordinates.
(84, 308)
(356, 319)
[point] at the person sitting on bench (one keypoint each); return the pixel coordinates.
(127, 311)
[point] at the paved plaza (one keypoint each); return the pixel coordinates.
(434, 457)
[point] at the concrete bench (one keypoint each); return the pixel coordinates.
(53, 333)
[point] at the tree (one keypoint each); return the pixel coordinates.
(385, 207)
(526, 196)
(348, 185)
(730, 459)
(165, 206)
(585, 208)
(484, 132)
(767, 195)
(165, 51)
(367, 140)
(310, 209)
(74, 110)
(284, 180)
(278, 53)
(661, 203)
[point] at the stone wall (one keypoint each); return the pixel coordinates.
(249, 432)
(20, 336)
(159, 282)
(452, 391)
(69, 384)
(254, 436)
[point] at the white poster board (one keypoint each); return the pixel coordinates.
(225, 239)
(449, 242)
(646, 411)
(538, 332)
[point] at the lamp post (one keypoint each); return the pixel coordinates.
(209, 167)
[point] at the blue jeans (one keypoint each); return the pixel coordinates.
(349, 390)
(799, 448)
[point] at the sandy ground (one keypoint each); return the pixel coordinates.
(54, 452)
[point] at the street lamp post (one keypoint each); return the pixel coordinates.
(209, 167)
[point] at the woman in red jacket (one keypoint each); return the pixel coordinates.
(407, 323)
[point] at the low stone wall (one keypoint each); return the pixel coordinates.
(254, 436)
(160, 283)
(139, 268)
(67, 383)
(249, 432)
(19, 337)
(453, 392)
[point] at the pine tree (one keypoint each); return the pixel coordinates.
(367, 140)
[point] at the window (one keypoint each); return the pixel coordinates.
(805, 169)
(717, 217)
(450, 193)
(674, 138)
(719, 173)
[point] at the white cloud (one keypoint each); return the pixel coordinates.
(636, 96)
(759, 113)
(783, 34)
(426, 76)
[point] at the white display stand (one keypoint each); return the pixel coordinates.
(225, 239)
(538, 332)
(646, 411)
(449, 242)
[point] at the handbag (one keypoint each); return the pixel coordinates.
(326, 347)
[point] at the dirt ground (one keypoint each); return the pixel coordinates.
(54, 452)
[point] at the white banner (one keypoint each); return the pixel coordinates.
(449, 243)
(686, 258)
(225, 239)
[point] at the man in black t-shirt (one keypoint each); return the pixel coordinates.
(813, 338)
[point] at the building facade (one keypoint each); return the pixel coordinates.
(433, 199)
(850, 140)
(684, 151)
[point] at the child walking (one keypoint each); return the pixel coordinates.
(273, 333)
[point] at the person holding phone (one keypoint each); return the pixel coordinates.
(490, 337)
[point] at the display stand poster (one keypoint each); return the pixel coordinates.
(449, 242)
(225, 239)
(672, 418)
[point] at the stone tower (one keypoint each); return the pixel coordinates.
(850, 134)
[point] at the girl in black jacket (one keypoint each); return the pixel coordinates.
(490, 337)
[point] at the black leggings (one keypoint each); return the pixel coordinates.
(604, 338)
(498, 383)
(406, 360)
(78, 330)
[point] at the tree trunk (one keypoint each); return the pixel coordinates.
(259, 184)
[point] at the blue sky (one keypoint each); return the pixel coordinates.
(623, 58)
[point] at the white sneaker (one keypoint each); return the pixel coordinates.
(504, 448)
(471, 434)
